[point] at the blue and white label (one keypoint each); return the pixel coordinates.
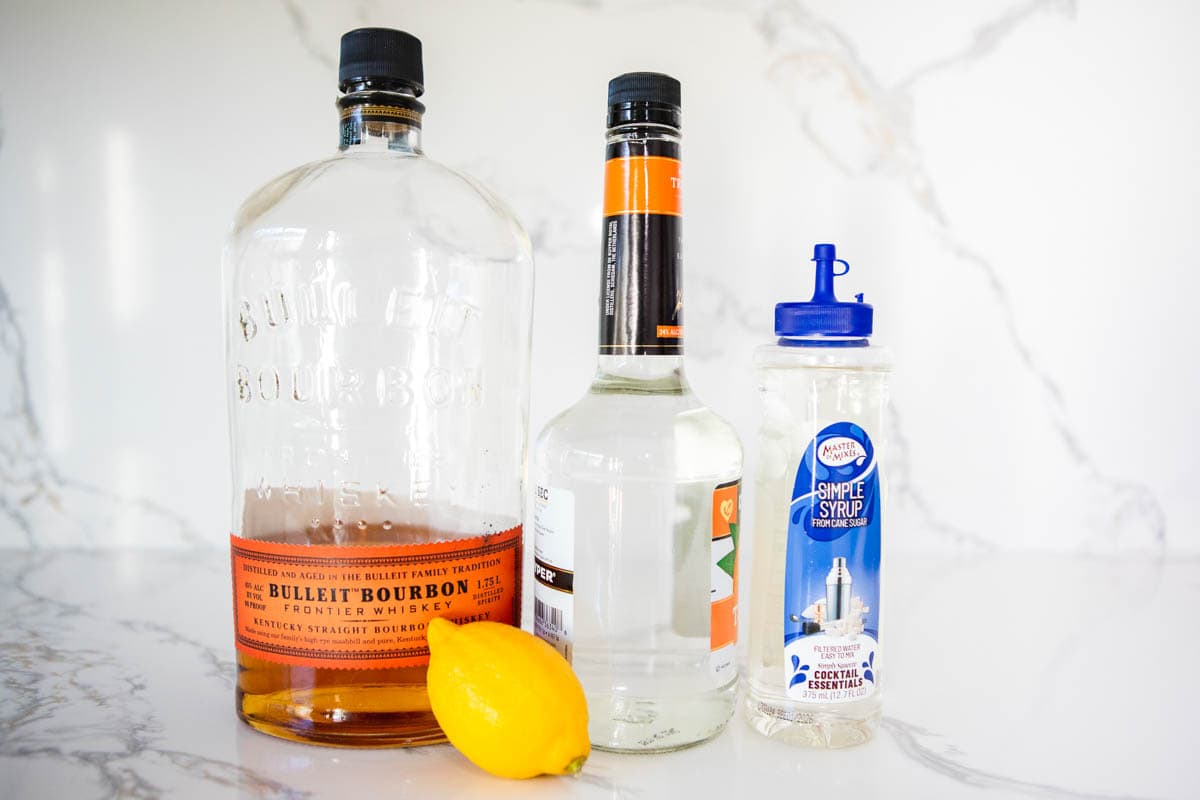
(831, 583)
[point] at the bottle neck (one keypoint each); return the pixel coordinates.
(380, 120)
(641, 292)
(640, 373)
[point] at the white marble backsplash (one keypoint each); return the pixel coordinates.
(1014, 183)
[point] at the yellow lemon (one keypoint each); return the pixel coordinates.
(507, 700)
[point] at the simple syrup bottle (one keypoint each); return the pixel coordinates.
(813, 662)
(637, 485)
(378, 310)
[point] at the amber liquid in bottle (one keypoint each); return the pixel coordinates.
(358, 707)
(378, 313)
(338, 703)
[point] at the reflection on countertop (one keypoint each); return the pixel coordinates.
(1006, 675)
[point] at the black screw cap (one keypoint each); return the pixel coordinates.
(382, 57)
(643, 97)
(644, 87)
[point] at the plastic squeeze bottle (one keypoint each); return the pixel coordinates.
(813, 670)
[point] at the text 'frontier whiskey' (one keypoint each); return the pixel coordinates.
(636, 503)
(378, 310)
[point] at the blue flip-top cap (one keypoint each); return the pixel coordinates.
(824, 314)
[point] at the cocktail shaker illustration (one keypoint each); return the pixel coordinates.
(837, 591)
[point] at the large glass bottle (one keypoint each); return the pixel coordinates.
(378, 310)
(636, 505)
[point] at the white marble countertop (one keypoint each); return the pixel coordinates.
(1010, 676)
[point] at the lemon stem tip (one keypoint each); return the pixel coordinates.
(574, 767)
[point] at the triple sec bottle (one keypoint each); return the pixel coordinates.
(378, 310)
(637, 485)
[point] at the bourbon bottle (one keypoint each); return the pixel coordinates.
(378, 312)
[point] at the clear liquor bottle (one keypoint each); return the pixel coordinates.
(636, 507)
(378, 310)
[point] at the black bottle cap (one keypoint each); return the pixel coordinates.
(650, 87)
(383, 58)
(650, 97)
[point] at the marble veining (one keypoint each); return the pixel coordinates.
(116, 666)
(918, 744)
(116, 681)
(75, 697)
(810, 51)
(909, 489)
(893, 149)
(36, 498)
(303, 32)
(810, 54)
(857, 116)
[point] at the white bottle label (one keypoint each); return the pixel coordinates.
(554, 567)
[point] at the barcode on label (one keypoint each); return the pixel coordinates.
(548, 616)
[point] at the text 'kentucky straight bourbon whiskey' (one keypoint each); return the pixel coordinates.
(378, 310)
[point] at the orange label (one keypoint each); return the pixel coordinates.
(725, 536)
(670, 331)
(367, 607)
(641, 185)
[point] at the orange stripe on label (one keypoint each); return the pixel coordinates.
(724, 623)
(670, 331)
(367, 607)
(642, 185)
(725, 523)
